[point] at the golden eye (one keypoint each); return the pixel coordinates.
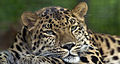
(73, 28)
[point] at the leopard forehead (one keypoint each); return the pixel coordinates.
(56, 16)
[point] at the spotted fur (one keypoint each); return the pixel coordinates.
(109, 47)
(56, 35)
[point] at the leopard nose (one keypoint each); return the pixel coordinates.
(68, 46)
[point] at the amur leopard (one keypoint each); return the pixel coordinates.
(56, 35)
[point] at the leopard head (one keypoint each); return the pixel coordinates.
(58, 32)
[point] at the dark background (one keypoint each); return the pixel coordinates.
(103, 15)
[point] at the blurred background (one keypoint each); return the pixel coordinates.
(103, 15)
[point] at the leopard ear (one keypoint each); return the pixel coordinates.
(29, 19)
(80, 10)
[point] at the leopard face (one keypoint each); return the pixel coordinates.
(58, 32)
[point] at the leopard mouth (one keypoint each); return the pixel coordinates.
(71, 58)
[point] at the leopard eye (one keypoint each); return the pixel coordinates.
(72, 21)
(73, 28)
(50, 32)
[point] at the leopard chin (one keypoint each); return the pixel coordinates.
(72, 59)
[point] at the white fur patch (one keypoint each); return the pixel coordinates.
(71, 59)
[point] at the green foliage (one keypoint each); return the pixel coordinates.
(104, 16)
(65, 3)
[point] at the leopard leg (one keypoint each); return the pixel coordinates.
(6, 58)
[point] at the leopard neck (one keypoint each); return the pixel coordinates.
(21, 45)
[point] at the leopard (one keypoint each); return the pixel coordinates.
(51, 35)
(57, 35)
